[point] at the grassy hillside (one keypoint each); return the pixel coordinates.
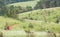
(37, 22)
(24, 4)
(51, 14)
(38, 25)
(35, 17)
(10, 21)
(41, 20)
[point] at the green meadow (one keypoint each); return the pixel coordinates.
(34, 18)
(30, 17)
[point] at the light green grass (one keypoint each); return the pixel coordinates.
(10, 21)
(51, 25)
(37, 14)
(24, 4)
(38, 26)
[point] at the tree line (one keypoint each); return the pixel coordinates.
(14, 1)
(12, 11)
(47, 4)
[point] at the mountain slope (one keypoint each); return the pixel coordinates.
(15, 1)
(51, 14)
(34, 18)
(24, 4)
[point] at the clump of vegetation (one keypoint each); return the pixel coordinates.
(38, 20)
(47, 3)
(1, 34)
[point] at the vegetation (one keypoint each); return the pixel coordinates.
(47, 4)
(31, 18)
(12, 11)
(1, 34)
(14, 1)
(24, 4)
(39, 24)
(51, 15)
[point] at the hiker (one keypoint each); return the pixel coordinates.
(9, 27)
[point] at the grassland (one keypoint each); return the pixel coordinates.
(24, 4)
(37, 14)
(34, 18)
(37, 22)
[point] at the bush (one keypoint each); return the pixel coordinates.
(1, 34)
(29, 8)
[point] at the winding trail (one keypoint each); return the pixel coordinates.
(38, 21)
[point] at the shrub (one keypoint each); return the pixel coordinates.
(1, 34)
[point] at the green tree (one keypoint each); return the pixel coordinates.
(47, 4)
(2, 6)
(29, 8)
(11, 12)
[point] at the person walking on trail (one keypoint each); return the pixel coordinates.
(9, 27)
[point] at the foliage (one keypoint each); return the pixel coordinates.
(1, 34)
(2, 7)
(29, 8)
(51, 15)
(11, 12)
(24, 4)
(33, 19)
(47, 4)
(14, 1)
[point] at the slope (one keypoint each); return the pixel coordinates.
(24, 4)
(51, 14)
(34, 18)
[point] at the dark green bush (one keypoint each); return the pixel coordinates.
(1, 34)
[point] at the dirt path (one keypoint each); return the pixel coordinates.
(37, 21)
